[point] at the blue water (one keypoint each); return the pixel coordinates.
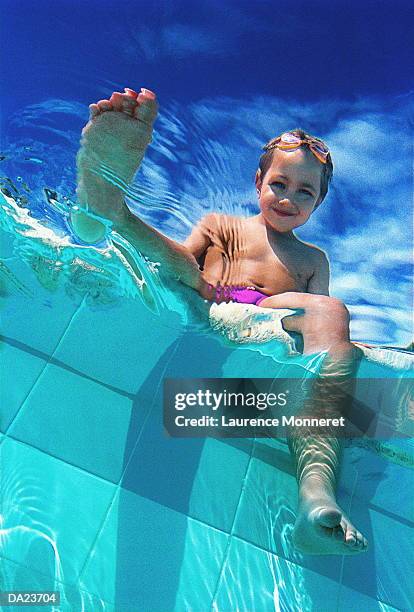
(96, 501)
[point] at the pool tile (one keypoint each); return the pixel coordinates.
(80, 421)
(15, 577)
(254, 579)
(148, 555)
(120, 345)
(381, 572)
(21, 369)
(376, 481)
(267, 509)
(52, 512)
(33, 316)
(7, 242)
(350, 599)
(199, 477)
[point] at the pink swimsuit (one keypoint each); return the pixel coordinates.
(242, 295)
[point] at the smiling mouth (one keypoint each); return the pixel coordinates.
(284, 213)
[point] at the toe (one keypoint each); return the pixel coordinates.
(93, 111)
(147, 109)
(131, 92)
(339, 534)
(128, 104)
(351, 538)
(117, 101)
(150, 95)
(104, 105)
(362, 542)
(328, 517)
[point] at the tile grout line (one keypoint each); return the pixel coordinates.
(60, 364)
(231, 534)
(98, 533)
(74, 586)
(341, 571)
(60, 460)
(42, 370)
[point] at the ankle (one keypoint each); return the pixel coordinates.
(316, 486)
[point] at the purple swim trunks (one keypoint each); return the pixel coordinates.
(242, 295)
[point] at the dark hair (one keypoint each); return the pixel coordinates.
(327, 169)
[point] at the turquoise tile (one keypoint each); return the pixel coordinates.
(7, 242)
(219, 480)
(204, 555)
(37, 321)
(151, 558)
(20, 369)
(372, 478)
(198, 477)
(120, 345)
(51, 511)
(255, 579)
(202, 478)
(14, 577)
(267, 510)
(80, 421)
(350, 599)
(381, 573)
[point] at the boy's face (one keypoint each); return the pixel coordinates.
(290, 189)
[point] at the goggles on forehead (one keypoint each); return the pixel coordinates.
(289, 142)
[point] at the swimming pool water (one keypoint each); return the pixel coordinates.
(98, 503)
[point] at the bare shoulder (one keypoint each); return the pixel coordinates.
(314, 254)
(212, 220)
(220, 223)
(318, 280)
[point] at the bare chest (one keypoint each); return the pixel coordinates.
(247, 258)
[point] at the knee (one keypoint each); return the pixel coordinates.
(330, 306)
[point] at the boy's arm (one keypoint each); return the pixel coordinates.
(112, 146)
(200, 238)
(319, 281)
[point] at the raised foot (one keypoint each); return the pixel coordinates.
(112, 147)
(118, 132)
(322, 528)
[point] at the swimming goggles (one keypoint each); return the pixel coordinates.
(288, 142)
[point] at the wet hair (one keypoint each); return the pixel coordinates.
(327, 169)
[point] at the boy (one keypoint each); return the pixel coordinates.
(257, 260)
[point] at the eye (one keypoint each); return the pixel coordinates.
(278, 184)
(306, 192)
